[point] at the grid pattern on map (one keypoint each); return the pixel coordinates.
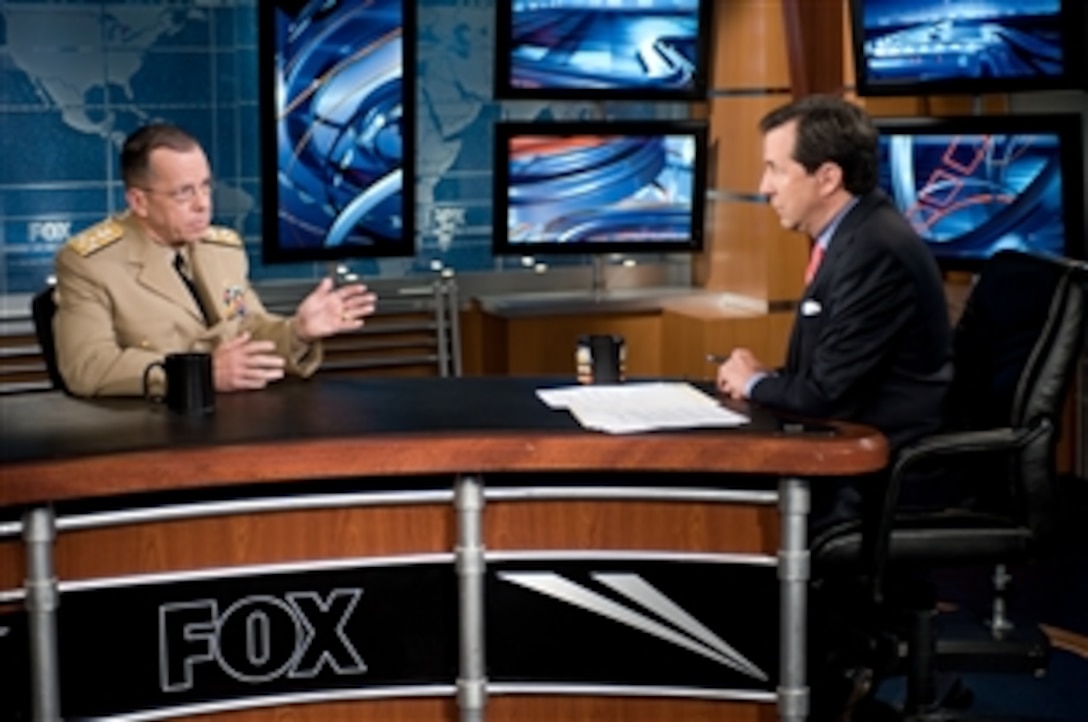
(76, 76)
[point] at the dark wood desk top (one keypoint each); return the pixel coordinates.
(58, 448)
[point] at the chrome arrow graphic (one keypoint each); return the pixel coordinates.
(693, 634)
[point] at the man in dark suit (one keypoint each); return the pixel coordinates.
(871, 342)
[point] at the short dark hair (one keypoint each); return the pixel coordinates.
(831, 129)
(138, 146)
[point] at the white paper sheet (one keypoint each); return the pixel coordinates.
(634, 407)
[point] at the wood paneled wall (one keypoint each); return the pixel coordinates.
(747, 252)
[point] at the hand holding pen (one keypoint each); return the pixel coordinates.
(736, 371)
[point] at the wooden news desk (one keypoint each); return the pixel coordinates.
(403, 549)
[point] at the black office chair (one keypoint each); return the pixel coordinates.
(42, 308)
(1016, 350)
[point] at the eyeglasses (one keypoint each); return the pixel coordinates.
(186, 194)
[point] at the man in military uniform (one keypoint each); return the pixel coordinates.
(158, 279)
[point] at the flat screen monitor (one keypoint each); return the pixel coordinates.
(926, 47)
(599, 187)
(602, 49)
(972, 186)
(337, 129)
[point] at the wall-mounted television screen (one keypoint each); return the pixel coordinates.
(337, 129)
(602, 49)
(924, 47)
(972, 186)
(599, 186)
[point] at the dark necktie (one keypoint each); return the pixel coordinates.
(183, 273)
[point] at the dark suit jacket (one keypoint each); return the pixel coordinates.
(871, 341)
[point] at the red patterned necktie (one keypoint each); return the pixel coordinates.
(813, 262)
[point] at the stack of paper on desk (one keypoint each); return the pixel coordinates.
(634, 407)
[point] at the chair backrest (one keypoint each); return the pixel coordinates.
(1016, 350)
(42, 308)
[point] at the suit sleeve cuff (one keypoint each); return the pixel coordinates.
(752, 381)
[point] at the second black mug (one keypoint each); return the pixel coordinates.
(600, 359)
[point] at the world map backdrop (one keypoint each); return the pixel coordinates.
(77, 76)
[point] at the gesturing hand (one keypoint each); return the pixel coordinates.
(242, 363)
(328, 311)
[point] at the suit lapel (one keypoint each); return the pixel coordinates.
(156, 273)
(841, 241)
(816, 292)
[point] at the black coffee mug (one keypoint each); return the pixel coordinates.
(600, 358)
(188, 379)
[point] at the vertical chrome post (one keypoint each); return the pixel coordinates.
(39, 533)
(441, 316)
(472, 679)
(453, 305)
(793, 577)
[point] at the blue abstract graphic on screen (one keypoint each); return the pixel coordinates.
(626, 44)
(933, 40)
(972, 195)
(340, 108)
(596, 188)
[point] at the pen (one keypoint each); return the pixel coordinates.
(716, 359)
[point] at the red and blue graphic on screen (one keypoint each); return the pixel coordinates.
(972, 194)
(579, 190)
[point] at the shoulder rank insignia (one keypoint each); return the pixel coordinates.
(96, 237)
(223, 236)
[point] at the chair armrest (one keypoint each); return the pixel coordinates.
(958, 442)
(955, 443)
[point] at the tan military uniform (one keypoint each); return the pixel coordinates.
(121, 305)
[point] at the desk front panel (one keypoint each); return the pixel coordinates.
(619, 532)
(593, 561)
(286, 536)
